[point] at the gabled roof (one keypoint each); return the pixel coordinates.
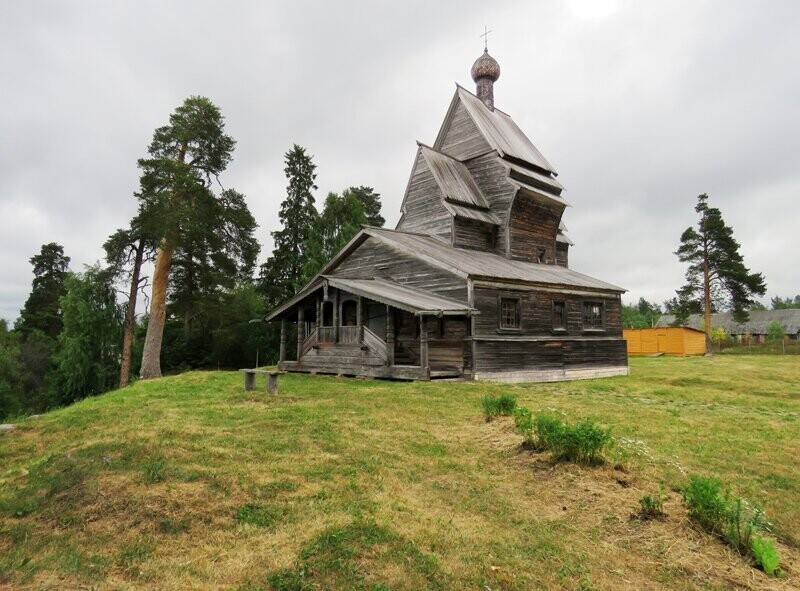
(484, 265)
(500, 131)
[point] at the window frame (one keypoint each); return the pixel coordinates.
(592, 327)
(563, 326)
(517, 301)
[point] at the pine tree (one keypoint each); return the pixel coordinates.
(717, 277)
(178, 205)
(341, 219)
(42, 310)
(126, 252)
(283, 274)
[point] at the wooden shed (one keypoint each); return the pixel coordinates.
(668, 340)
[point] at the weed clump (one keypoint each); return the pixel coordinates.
(652, 507)
(734, 519)
(583, 442)
(494, 405)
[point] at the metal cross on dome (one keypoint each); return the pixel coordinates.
(485, 36)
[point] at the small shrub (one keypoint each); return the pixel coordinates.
(523, 419)
(581, 443)
(742, 520)
(706, 503)
(765, 555)
(652, 507)
(494, 405)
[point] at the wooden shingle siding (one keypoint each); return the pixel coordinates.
(424, 211)
(490, 175)
(562, 254)
(374, 259)
(473, 234)
(463, 139)
(533, 228)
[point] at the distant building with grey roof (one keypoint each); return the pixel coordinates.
(757, 326)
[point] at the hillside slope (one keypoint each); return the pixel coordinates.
(189, 482)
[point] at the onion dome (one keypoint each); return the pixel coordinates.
(485, 67)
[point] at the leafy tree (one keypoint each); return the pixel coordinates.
(341, 219)
(757, 306)
(720, 335)
(36, 355)
(42, 311)
(643, 315)
(126, 252)
(716, 277)
(11, 371)
(371, 203)
(87, 358)
(177, 204)
(775, 331)
(283, 274)
(786, 303)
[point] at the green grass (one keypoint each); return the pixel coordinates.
(190, 482)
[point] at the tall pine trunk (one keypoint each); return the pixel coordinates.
(130, 318)
(151, 356)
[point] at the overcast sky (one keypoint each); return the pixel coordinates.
(639, 105)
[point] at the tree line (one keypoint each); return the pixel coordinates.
(80, 334)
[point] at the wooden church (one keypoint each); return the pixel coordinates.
(474, 281)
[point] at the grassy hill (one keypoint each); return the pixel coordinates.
(189, 482)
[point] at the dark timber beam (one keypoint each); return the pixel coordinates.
(336, 313)
(423, 344)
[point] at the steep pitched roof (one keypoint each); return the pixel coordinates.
(403, 297)
(500, 131)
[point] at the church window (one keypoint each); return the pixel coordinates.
(559, 316)
(509, 313)
(592, 315)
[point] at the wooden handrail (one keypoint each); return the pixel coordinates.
(375, 343)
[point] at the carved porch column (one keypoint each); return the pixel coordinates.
(282, 356)
(423, 344)
(389, 336)
(360, 318)
(301, 321)
(336, 312)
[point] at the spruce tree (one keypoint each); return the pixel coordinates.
(42, 310)
(284, 272)
(341, 219)
(371, 203)
(717, 277)
(177, 203)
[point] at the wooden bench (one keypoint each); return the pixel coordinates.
(272, 379)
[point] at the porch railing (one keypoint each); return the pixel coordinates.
(309, 342)
(326, 334)
(375, 343)
(349, 335)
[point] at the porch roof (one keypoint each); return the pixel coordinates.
(412, 300)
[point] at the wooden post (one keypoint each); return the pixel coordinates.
(283, 340)
(249, 381)
(423, 343)
(272, 382)
(360, 318)
(389, 336)
(336, 315)
(319, 319)
(301, 320)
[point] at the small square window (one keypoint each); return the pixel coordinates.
(593, 315)
(559, 316)
(509, 313)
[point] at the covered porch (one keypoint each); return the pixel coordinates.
(375, 328)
